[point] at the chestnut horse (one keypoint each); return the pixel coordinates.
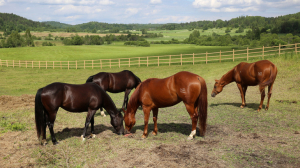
(262, 73)
(155, 93)
(74, 98)
(116, 83)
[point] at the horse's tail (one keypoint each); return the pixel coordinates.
(202, 107)
(273, 74)
(39, 114)
(90, 79)
(138, 80)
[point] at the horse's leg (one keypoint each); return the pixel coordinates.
(127, 91)
(262, 92)
(92, 127)
(89, 117)
(102, 112)
(242, 94)
(155, 113)
(43, 141)
(269, 94)
(146, 119)
(194, 117)
(50, 123)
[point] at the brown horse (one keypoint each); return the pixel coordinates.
(262, 73)
(74, 98)
(116, 83)
(156, 93)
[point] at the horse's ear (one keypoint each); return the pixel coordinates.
(216, 80)
(123, 110)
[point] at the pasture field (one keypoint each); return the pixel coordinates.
(90, 52)
(235, 137)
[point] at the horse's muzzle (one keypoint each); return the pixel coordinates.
(213, 94)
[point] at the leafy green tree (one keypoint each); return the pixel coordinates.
(144, 31)
(28, 38)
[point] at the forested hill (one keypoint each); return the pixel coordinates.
(57, 24)
(9, 22)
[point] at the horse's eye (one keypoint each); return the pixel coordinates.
(215, 86)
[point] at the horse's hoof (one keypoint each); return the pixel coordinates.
(190, 138)
(144, 137)
(154, 133)
(83, 139)
(258, 110)
(93, 136)
(242, 106)
(103, 114)
(44, 142)
(267, 109)
(55, 143)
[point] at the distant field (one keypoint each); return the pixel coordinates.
(88, 52)
(65, 34)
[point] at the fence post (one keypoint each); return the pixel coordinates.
(181, 59)
(53, 64)
(84, 64)
(139, 61)
(147, 61)
(158, 61)
(263, 55)
(233, 55)
(39, 64)
(68, 65)
(92, 64)
(170, 61)
(296, 48)
(247, 53)
(129, 62)
(193, 58)
(206, 57)
(279, 49)
(32, 64)
(13, 63)
(109, 63)
(220, 56)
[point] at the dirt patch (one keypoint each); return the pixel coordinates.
(8, 103)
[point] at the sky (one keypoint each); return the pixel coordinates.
(145, 11)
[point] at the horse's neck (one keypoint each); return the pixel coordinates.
(228, 77)
(109, 106)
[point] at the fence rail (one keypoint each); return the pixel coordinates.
(166, 60)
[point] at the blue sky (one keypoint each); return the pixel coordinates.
(145, 11)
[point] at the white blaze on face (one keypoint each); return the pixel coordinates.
(182, 90)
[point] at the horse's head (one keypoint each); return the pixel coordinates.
(117, 122)
(129, 119)
(218, 87)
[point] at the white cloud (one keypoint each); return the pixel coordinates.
(131, 11)
(70, 9)
(66, 2)
(155, 1)
(28, 8)
(2, 2)
(106, 2)
(174, 19)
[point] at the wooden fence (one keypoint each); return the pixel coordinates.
(166, 60)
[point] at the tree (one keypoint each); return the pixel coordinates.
(28, 38)
(144, 31)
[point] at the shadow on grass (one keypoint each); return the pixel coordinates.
(253, 106)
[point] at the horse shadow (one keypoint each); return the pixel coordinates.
(253, 106)
(77, 132)
(182, 128)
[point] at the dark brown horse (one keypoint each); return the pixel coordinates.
(262, 73)
(74, 98)
(116, 83)
(156, 93)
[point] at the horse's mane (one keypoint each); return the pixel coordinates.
(134, 99)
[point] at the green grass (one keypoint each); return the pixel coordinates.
(85, 52)
(235, 137)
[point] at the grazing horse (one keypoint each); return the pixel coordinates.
(73, 98)
(116, 83)
(155, 93)
(262, 73)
